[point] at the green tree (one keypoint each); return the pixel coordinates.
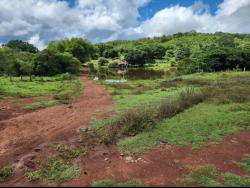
(78, 47)
(19, 45)
(50, 63)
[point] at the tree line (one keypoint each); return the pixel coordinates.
(18, 58)
(189, 52)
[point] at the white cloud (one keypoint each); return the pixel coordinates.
(35, 40)
(40, 21)
(232, 16)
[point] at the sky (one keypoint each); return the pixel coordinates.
(41, 21)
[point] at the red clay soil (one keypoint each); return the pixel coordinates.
(12, 108)
(19, 135)
(163, 165)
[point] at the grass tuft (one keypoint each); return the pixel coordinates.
(55, 171)
(111, 183)
(6, 172)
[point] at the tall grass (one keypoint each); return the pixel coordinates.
(133, 121)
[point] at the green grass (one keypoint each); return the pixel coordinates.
(195, 126)
(55, 171)
(210, 176)
(38, 87)
(41, 104)
(137, 92)
(245, 163)
(6, 172)
(111, 183)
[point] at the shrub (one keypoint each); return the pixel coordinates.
(6, 172)
(102, 61)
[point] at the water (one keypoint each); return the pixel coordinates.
(130, 74)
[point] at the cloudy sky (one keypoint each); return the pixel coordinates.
(40, 21)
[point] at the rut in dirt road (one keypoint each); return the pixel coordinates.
(21, 134)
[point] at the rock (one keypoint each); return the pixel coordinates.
(122, 155)
(106, 159)
(176, 161)
(129, 159)
(83, 130)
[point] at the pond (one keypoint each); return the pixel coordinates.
(130, 74)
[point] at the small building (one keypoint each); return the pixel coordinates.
(120, 63)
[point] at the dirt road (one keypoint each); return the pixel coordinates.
(19, 135)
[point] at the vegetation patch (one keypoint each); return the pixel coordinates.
(67, 153)
(210, 176)
(41, 104)
(112, 183)
(6, 172)
(41, 86)
(55, 171)
(245, 163)
(204, 122)
(144, 118)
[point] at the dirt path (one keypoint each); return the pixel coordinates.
(19, 135)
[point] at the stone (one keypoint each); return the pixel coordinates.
(129, 159)
(83, 130)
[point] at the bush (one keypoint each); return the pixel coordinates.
(102, 61)
(6, 172)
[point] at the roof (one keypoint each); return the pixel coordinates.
(119, 62)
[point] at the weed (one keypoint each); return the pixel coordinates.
(6, 172)
(209, 176)
(111, 183)
(66, 152)
(203, 175)
(245, 164)
(41, 104)
(55, 171)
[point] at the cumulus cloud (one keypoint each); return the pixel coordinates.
(40, 21)
(231, 16)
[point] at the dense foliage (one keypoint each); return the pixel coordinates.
(78, 47)
(21, 46)
(18, 58)
(189, 52)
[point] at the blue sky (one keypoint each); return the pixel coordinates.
(42, 21)
(154, 6)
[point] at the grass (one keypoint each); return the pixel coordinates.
(6, 172)
(41, 104)
(204, 122)
(111, 183)
(38, 87)
(245, 163)
(143, 118)
(210, 176)
(55, 171)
